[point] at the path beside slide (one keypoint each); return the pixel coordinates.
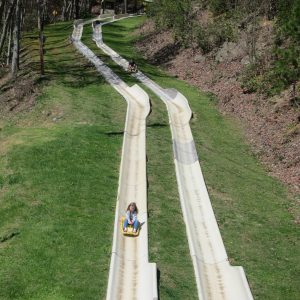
(131, 276)
(215, 277)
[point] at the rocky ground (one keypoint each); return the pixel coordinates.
(272, 125)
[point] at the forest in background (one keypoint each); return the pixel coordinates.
(20, 16)
(268, 74)
(226, 19)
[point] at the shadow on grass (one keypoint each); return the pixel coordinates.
(8, 236)
(157, 125)
(53, 47)
(113, 133)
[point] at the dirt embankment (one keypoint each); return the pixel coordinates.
(17, 96)
(272, 125)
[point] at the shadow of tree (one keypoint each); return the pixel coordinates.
(114, 133)
(157, 125)
(166, 54)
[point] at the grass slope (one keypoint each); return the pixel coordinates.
(253, 210)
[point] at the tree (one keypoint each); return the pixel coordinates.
(287, 65)
(16, 40)
(40, 9)
(174, 15)
(10, 37)
(7, 16)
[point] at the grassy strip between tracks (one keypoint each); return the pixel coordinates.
(59, 168)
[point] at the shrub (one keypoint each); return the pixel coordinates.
(214, 34)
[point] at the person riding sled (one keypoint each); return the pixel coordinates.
(131, 217)
(132, 67)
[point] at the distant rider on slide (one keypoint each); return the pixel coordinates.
(132, 67)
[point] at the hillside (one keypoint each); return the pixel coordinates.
(271, 119)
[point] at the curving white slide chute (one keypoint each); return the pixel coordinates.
(215, 277)
(131, 275)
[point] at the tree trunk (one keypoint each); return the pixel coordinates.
(294, 92)
(40, 4)
(70, 11)
(90, 6)
(6, 22)
(76, 9)
(63, 12)
(16, 41)
(9, 42)
(81, 6)
(45, 11)
(135, 6)
(2, 4)
(73, 10)
(23, 14)
(87, 6)
(102, 7)
(125, 6)
(67, 10)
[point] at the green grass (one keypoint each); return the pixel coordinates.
(60, 202)
(59, 168)
(254, 211)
